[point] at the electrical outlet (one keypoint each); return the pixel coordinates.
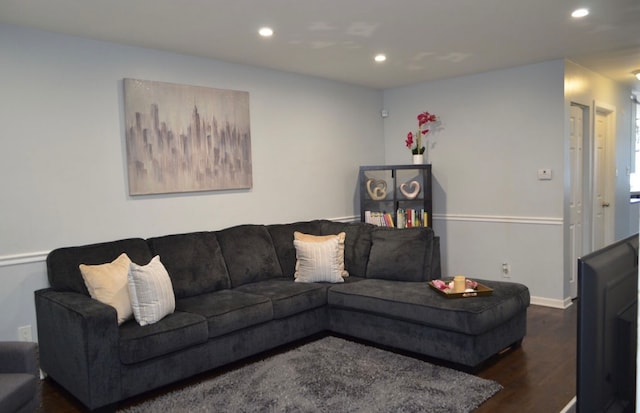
(506, 270)
(24, 333)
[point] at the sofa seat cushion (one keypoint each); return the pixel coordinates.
(17, 390)
(288, 297)
(173, 333)
(228, 310)
(417, 302)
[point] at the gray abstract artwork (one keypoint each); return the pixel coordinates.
(183, 138)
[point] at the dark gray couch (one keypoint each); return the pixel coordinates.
(235, 297)
(19, 377)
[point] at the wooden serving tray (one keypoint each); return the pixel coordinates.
(480, 291)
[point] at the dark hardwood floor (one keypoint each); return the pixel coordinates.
(538, 377)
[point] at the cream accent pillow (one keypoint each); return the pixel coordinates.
(151, 292)
(318, 261)
(107, 283)
(319, 238)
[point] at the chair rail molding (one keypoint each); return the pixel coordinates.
(499, 219)
(25, 258)
(41, 256)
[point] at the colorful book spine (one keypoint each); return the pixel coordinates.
(400, 218)
(388, 220)
(405, 218)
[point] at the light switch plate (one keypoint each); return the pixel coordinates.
(544, 174)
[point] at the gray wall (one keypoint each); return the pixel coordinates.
(63, 158)
(499, 128)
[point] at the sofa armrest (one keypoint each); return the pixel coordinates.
(18, 357)
(78, 341)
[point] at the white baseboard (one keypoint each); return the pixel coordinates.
(552, 302)
(570, 407)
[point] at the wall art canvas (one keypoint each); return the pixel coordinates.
(184, 138)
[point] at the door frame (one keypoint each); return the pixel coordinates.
(601, 108)
(583, 180)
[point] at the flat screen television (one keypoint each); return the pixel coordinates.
(607, 328)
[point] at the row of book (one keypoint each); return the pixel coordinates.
(405, 218)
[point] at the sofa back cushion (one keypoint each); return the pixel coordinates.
(357, 244)
(282, 237)
(194, 262)
(249, 254)
(63, 264)
(401, 254)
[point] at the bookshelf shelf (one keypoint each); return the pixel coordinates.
(396, 195)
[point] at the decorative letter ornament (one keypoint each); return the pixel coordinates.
(379, 189)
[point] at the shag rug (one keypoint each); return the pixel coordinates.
(331, 375)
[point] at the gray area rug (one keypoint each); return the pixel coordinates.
(331, 375)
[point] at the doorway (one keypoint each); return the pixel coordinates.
(591, 183)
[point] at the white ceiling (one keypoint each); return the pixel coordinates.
(337, 39)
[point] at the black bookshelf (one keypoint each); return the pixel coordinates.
(386, 191)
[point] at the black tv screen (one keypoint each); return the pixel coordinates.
(607, 328)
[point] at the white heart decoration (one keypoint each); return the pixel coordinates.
(414, 189)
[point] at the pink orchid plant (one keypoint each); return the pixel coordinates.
(424, 119)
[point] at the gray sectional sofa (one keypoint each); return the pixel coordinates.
(235, 297)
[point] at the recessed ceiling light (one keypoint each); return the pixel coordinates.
(380, 58)
(580, 13)
(265, 32)
(637, 74)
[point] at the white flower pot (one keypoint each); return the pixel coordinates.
(418, 159)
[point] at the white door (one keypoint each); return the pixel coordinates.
(602, 219)
(576, 135)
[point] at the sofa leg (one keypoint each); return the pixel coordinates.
(511, 347)
(491, 360)
(517, 344)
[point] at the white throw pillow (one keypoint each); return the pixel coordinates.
(318, 261)
(107, 283)
(319, 238)
(151, 292)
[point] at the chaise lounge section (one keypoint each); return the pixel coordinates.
(236, 296)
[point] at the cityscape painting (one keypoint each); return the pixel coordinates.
(183, 138)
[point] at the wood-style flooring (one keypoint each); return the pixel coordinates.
(538, 377)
